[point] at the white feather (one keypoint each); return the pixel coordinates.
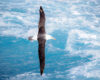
(47, 37)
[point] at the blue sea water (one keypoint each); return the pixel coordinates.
(74, 55)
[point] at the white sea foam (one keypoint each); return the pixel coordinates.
(82, 37)
(51, 48)
(29, 76)
(90, 69)
(59, 21)
(78, 18)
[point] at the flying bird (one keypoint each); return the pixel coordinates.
(41, 37)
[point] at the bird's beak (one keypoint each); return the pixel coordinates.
(54, 38)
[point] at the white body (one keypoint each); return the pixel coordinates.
(48, 37)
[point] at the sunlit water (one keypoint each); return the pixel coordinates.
(74, 55)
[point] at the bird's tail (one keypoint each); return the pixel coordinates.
(30, 38)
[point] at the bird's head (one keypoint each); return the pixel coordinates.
(49, 37)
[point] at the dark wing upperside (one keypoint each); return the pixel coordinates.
(41, 40)
(41, 54)
(41, 25)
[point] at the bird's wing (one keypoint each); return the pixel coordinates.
(41, 52)
(41, 26)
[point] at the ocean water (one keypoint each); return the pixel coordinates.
(74, 55)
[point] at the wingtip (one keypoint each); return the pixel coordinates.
(41, 73)
(41, 9)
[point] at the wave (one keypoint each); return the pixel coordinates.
(88, 45)
(78, 19)
(29, 76)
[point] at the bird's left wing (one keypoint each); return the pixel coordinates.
(41, 52)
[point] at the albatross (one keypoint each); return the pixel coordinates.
(41, 37)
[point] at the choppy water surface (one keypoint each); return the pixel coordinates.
(74, 55)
